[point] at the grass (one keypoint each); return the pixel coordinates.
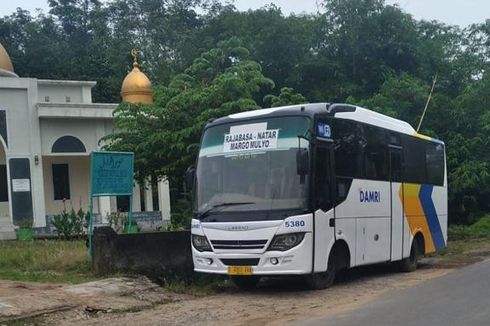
(53, 261)
(478, 230)
(204, 285)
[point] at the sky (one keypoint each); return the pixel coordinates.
(453, 12)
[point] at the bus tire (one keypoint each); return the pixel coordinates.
(322, 280)
(409, 264)
(245, 282)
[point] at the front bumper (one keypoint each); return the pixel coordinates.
(297, 260)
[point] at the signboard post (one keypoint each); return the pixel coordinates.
(111, 174)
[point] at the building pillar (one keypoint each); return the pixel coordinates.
(164, 199)
(148, 196)
(104, 207)
(136, 204)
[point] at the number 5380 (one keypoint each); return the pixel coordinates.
(294, 224)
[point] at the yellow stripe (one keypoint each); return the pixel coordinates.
(416, 134)
(414, 213)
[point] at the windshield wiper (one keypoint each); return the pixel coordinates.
(213, 208)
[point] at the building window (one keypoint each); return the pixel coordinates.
(68, 99)
(61, 181)
(4, 192)
(68, 144)
(46, 99)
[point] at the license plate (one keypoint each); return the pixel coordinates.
(240, 270)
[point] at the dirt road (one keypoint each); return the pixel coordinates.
(275, 302)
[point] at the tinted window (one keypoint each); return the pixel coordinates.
(61, 181)
(434, 157)
(396, 165)
(394, 138)
(322, 179)
(375, 158)
(348, 149)
(414, 157)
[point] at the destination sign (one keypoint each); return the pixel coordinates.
(250, 137)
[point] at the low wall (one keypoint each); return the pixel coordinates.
(159, 255)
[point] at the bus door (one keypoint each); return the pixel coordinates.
(324, 226)
(397, 224)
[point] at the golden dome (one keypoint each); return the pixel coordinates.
(136, 87)
(5, 62)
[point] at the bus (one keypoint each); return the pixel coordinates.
(312, 189)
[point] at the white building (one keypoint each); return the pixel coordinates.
(47, 130)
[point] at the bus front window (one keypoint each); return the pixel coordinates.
(251, 180)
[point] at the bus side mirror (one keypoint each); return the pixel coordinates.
(302, 161)
(190, 174)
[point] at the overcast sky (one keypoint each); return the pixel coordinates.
(454, 12)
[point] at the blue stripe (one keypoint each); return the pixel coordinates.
(425, 196)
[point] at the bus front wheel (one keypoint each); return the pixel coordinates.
(323, 280)
(409, 264)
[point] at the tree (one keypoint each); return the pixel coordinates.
(165, 136)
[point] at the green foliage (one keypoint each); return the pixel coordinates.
(479, 229)
(71, 224)
(120, 223)
(287, 97)
(26, 224)
(181, 214)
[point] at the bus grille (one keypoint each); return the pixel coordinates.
(240, 261)
(238, 244)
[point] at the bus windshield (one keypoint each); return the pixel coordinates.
(247, 166)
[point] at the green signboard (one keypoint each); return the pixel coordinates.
(111, 174)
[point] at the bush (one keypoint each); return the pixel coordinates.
(181, 216)
(479, 229)
(71, 224)
(120, 223)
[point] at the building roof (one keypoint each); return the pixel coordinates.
(6, 66)
(136, 87)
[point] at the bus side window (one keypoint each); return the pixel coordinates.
(414, 160)
(322, 179)
(434, 156)
(396, 165)
(348, 148)
(375, 158)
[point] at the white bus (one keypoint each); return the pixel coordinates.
(311, 189)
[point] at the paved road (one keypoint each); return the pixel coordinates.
(458, 298)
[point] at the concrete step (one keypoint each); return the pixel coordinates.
(7, 231)
(7, 235)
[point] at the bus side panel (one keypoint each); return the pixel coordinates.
(422, 216)
(439, 198)
(397, 221)
(373, 235)
(346, 230)
(324, 238)
(368, 201)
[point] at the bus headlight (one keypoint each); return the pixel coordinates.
(200, 243)
(285, 242)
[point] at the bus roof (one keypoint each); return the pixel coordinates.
(337, 110)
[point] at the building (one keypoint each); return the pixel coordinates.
(47, 130)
